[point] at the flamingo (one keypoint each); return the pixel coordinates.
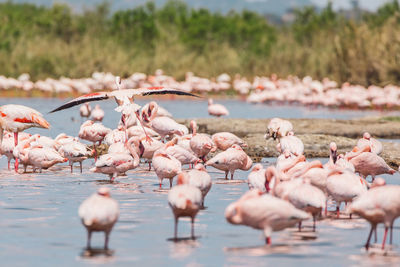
(43, 157)
(93, 132)
(166, 166)
(217, 110)
(185, 200)
(380, 204)
(97, 113)
(75, 152)
(150, 148)
(225, 140)
(123, 97)
(17, 118)
(256, 178)
(200, 144)
(180, 153)
(118, 163)
(291, 143)
(264, 212)
(99, 213)
(344, 186)
(85, 110)
(162, 125)
(367, 140)
(230, 160)
(199, 178)
(369, 163)
(278, 128)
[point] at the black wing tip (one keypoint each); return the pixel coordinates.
(174, 92)
(78, 102)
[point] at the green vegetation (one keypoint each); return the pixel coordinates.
(57, 42)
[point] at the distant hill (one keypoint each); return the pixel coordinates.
(276, 7)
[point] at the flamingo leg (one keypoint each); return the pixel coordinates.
(326, 208)
(80, 164)
(314, 222)
(369, 236)
(71, 167)
(375, 235)
(170, 183)
(300, 226)
(95, 152)
(384, 238)
(107, 235)
(176, 228)
(16, 159)
(192, 231)
(391, 235)
(337, 212)
(89, 236)
(268, 240)
(9, 164)
(149, 166)
(226, 175)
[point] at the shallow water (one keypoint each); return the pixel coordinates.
(69, 121)
(40, 226)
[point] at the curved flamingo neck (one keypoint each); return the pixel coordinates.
(193, 124)
(359, 152)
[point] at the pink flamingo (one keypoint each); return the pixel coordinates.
(291, 143)
(75, 152)
(225, 140)
(367, 140)
(99, 213)
(264, 212)
(217, 110)
(278, 128)
(162, 125)
(85, 110)
(185, 200)
(180, 153)
(199, 178)
(97, 113)
(43, 157)
(115, 164)
(17, 118)
(93, 132)
(256, 178)
(344, 186)
(200, 144)
(380, 204)
(166, 166)
(230, 160)
(368, 163)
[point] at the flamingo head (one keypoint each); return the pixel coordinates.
(104, 192)
(257, 167)
(210, 101)
(200, 167)
(366, 136)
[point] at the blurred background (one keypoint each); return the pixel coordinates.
(346, 40)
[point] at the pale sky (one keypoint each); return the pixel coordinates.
(365, 4)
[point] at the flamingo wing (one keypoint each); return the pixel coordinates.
(121, 94)
(83, 99)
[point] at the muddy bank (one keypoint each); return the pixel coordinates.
(316, 135)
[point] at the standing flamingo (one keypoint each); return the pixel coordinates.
(264, 212)
(85, 110)
(225, 140)
(17, 118)
(380, 204)
(97, 113)
(99, 213)
(367, 140)
(217, 110)
(93, 132)
(166, 166)
(185, 200)
(200, 144)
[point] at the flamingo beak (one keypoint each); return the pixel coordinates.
(334, 156)
(267, 188)
(274, 135)
(141, 149)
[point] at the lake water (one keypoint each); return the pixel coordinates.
(40, 225)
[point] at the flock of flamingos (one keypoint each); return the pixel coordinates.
(280, 196)
(304, 91)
